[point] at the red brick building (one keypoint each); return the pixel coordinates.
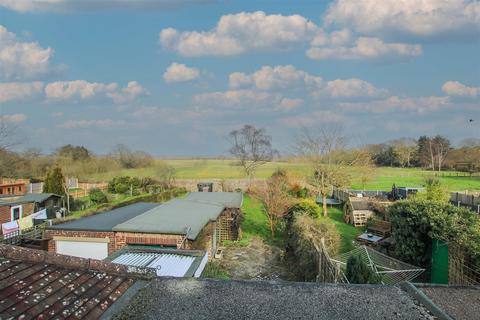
(198, 221)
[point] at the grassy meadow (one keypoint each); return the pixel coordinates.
(382, 178)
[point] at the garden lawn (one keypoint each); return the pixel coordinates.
(347, 232)
(255, 223)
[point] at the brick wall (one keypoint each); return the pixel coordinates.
(80, 234)
(5, 211)
(125, 238)
(4, 214)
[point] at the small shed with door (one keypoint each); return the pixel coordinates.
(14, 208)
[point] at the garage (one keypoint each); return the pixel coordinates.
(93, 248)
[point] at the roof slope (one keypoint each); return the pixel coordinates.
(214, 299)
(227, 199)
(177, 216)
(30, 197)
(105, 221)
(360, 205)
(37, 285)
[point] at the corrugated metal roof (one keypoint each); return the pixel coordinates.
(166, 265)
(178, 216)
(227, 199)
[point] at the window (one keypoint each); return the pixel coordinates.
(16, 213)
(20, 188)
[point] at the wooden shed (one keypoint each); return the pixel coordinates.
(357, 211)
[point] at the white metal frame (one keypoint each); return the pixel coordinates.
(19, 216)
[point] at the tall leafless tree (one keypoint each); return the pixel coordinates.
(252, 147)
(404, 149)
(8, 133)
(324, 150)
(440, 147)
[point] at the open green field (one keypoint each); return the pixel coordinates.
(382, 178)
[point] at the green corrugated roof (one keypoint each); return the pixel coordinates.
(178, 216)
(227, 199)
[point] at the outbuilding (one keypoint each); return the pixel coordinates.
(201, 220)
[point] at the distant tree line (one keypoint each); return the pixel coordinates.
(434, 153)
(75, 161)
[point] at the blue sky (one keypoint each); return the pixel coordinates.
(174, 77)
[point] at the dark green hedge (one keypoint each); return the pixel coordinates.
(416, 222)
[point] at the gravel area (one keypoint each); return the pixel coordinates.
(215, 299)
(458, 302)
(258, 261)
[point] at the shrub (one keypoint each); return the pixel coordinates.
(303, 233)
(306, 206)
(357, 271)
(416, 222)
(298, 191)
(97, 196)
(434, 190)
(123, 184)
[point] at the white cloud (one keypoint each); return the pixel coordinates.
(395, 103)
(278, 77)
(365, 48)
(13, 118)
(352, 88)
(130, 93)
(99, 123)
(455, 88)
(177, 72)
(406, 17)
(246, 100)
(83, 90)
(23, 60)
(314, 119)
(287, 104)
(91, 5)
(237, 33)
(281, 78)
(11, 91)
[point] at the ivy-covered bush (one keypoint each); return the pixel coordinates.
(123, 184)
(416, 222)
(97, 196)
(303, 232)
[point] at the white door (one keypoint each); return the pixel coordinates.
(83, 249)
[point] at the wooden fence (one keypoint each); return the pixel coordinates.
(471, 201)
(84, 188)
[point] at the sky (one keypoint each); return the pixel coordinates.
(174, 77)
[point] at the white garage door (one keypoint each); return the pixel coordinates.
(83, 249)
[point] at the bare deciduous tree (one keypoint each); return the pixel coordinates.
(441, 147)
(324, 150)
(273, 194)
(7, 134)
(252, 147)
(404, 149)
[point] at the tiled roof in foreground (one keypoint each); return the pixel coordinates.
(38, 285)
